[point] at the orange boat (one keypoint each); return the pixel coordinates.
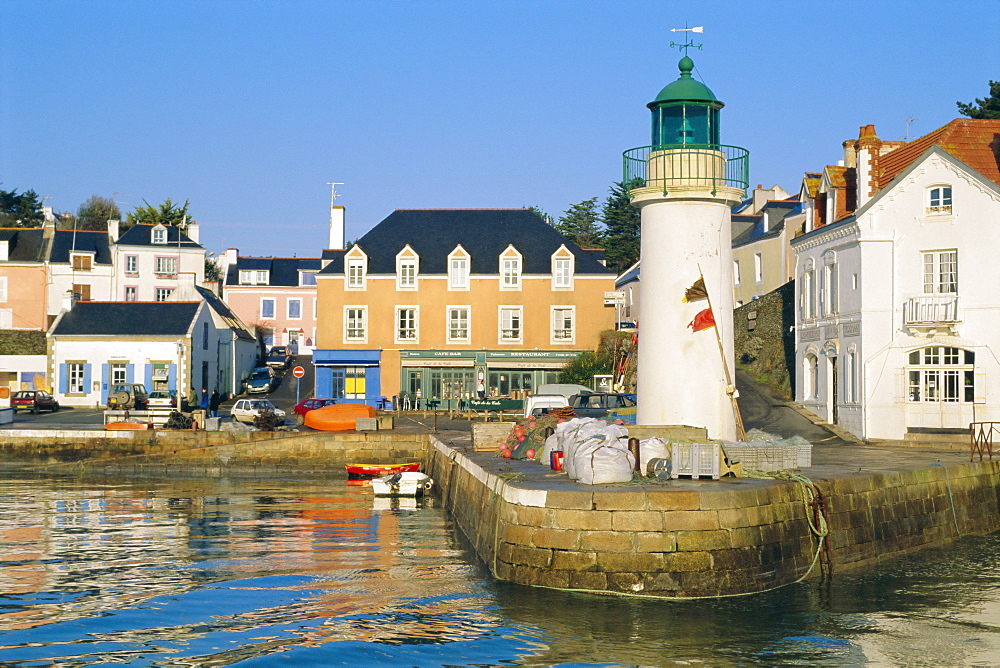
(366, 471)
(338, 417)
(128, 426)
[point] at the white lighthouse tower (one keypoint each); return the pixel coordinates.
(684, 184)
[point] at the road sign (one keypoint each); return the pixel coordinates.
(298, 372)
(614, 298)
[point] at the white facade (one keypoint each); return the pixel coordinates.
(149, 272)
(898, 316)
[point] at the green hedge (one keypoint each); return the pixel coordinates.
(17, 342)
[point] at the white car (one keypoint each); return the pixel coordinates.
(245, 410)
(161, 399)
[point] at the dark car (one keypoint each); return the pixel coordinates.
(279, 357)
(128, 396)
(604, 405)
(260, 381)
(34, 401)
(310, 404)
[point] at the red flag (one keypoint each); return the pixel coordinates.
(703, 320)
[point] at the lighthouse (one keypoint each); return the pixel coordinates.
(684, 184)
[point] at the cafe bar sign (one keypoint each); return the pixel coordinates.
(490, 354)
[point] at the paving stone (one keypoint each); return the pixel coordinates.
(673, 500)
(696, 541)
(607, 541)
(590, 520)
(570, 499)
(677, 562)
(632, 500)
(637, 521)
(691, 520)
(656, 541)
(560, 539)
(574, 561)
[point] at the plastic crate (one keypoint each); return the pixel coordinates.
(695, 460)
(366, 424)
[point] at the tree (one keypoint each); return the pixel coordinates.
(538, 212)
(579, 224)
(95, 213)
(22, 210)
(988, 108)
(167, 213)
(621, 225)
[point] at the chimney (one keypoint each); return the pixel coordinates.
(868, 148)
(193, 232)
(336, 227)
(68, 300)
(186, 291)
(232, 254)
(4, 250)
(47, 214)
(113, 224)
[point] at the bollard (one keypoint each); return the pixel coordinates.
(633, 447)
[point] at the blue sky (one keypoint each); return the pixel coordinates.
(248, 109)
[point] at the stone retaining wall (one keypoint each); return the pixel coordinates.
(691, 539)
(208, 453)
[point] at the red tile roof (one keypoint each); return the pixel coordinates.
(976, 142)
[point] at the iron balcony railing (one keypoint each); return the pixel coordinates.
(929, 309)
(671, 165)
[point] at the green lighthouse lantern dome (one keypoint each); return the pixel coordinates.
(685, 112)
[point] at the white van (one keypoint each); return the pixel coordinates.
(565, 389)
(536, 404)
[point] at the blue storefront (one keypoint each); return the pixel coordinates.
(351, 375)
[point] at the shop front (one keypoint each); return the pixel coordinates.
(351, 375)
(462, 379)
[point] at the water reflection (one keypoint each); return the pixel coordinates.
(216, 572)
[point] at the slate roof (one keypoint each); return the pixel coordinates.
(23, 244)
(226, 313)
(756, 233)
(127, 319)
(64, 241)
(284, 271)
(976, 142)
(483, 233)
(142, 235)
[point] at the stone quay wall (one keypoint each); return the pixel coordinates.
(697, 538)
(166, 453)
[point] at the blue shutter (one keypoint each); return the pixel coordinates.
(373, 385)
(63, 378)
(86, 378)
(130, 373)
(105, 382)
(172, 383)
(149, 378)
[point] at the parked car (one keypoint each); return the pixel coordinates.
(34, 401)
(245, 410)
(260, 381)
(160, 399)
(128, 396)
(603, 405)
(279, 357)
(626, 326)
(310, 404)
(538, 404)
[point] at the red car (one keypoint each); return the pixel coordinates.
(34, 401)
(307, 405)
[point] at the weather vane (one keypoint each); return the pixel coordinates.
(687, 44)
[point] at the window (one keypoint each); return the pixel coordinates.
(82, 263)
(808, 305)
(562, 324)
(810, 377)
(294, 309)
(831, 305)
(939, 200)
(562, 272)
(6, 318)
(159, 235)
(406, 273)
(510, 270)
(852, 377)
(163, 293)
(75, 371)
(356, 273)
(253, 277)
(267, 308)
(119, 373)
(406, 323)
(307, 278)
(3, 288)
(941, 374)
(941, 272)
(81, 292)
(510, 325)
(458, 273)
(458, 324)
(758, 268)
(204, 336)
(356, 323)
(131, 293)
(131, 264)
(166, 266)
(736, 273)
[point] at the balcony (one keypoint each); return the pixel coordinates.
(712, 166)
(931, 314)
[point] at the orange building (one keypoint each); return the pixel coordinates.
(444, 305)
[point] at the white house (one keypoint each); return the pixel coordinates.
(149, 258)
(898, 319)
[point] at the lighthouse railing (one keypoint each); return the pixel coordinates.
(668, 166)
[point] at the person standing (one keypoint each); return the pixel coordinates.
(192, 401)
(204, 397)
(213, 403)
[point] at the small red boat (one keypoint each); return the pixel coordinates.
(367, 471)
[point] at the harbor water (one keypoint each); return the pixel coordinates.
(267, 573)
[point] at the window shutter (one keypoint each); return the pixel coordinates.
(63, 378)
(172, 379)
(148, 379)
(86, 378)
(130, 373)
(105, 382)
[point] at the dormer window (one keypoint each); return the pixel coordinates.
(562, 269)
(307, 278)
(355, 268)
(83, 262)
(159, 235)
(510, 269)
(458, 269)
(254, 277)
(939, 200)
(407, 264)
